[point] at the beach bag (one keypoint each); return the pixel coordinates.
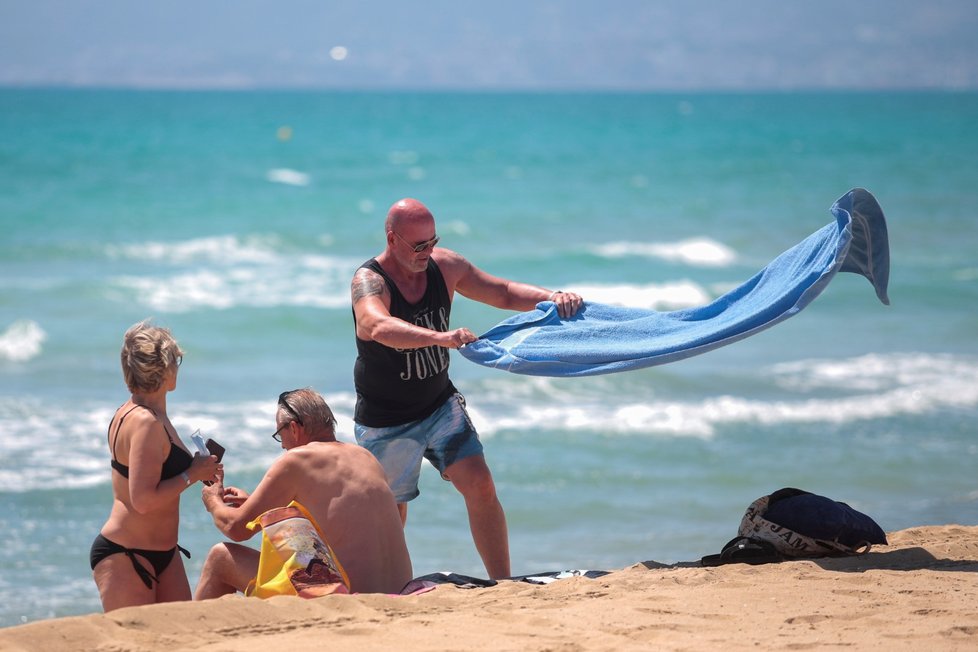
(295, 557)
(795, 524)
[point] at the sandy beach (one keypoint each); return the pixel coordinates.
(921, 591)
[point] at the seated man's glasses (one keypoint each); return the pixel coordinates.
(283, 401)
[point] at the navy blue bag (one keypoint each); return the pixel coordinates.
(792, 523)
(822, 518)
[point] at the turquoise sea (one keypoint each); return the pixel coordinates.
(237, 219)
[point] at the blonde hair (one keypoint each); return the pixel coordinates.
(311, 408)
(148, 352)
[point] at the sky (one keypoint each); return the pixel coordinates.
(642, 45)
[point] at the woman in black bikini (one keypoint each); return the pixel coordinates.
(134, 559)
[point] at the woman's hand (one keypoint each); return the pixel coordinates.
(206, 468)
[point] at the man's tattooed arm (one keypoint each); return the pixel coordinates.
(367, 283)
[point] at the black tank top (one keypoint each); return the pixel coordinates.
(175, 463)
(397, 386)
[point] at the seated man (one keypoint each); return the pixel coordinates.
(342, 486)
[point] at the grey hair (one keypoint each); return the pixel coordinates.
(311, 408)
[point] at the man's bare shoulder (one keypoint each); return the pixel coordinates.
(326, 463)
(342, 454)
(329, 449)
(448, 257)
(453, 265)
(298, 465)
(337, 449)
(284, 465)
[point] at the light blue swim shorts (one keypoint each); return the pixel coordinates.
(445, 437)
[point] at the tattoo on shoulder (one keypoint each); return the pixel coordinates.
(367, 283)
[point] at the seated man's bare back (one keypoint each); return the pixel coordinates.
(342, 486)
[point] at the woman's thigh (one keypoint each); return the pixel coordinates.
(173, 585)
(119, 585)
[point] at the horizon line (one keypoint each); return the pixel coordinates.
(488, 90)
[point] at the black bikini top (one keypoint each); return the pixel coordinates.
(175, 463)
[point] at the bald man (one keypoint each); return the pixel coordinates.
(407, 407)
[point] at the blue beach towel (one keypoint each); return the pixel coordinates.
(603, 339)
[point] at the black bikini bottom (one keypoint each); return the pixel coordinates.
(159, 559)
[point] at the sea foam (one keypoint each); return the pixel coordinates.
(22, 341)
(221, 249)
(868, 387)
(225, 272)
(288, 177)
(701, 252)
(661, 296)
(893, 386)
